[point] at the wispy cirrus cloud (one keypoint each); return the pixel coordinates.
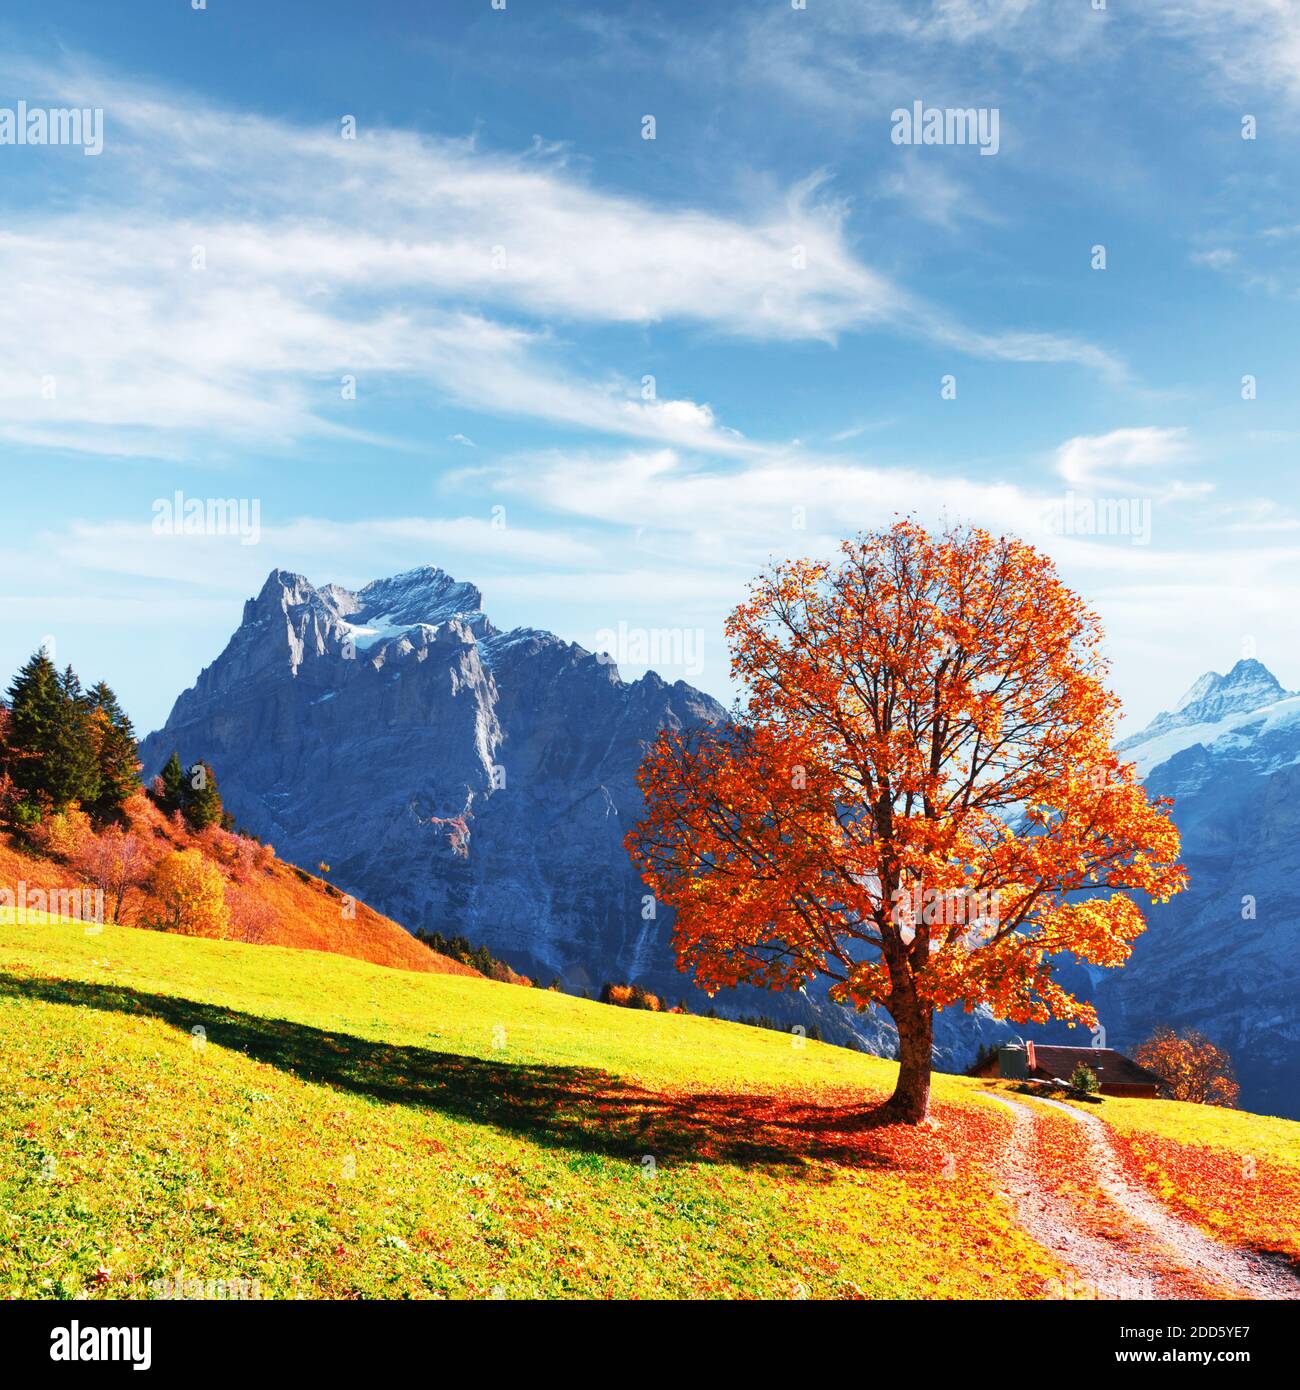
(826, 60)
(323, 549)
(154, 313)
(1246, 45)
(936, 196)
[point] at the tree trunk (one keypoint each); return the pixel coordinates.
(910, 1102)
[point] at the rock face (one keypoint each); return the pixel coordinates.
(1224, 957)
(474, 781)
(461, 779)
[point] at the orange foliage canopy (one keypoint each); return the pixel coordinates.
(1191, 1066)
(918, 796)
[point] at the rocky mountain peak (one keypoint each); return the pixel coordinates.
(295, 620)
(355, 726)
(283, 588)
(424, 595)
(1249, 685)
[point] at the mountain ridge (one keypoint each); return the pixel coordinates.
(398, 734)
(1249, 685)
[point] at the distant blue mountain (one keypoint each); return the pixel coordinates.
(1224, 956)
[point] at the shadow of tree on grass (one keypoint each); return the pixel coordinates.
(584, 1109)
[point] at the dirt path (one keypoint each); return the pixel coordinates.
(1127, 1245)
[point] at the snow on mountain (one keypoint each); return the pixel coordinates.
(424, 596)
(1224, 956)
(1268, 735)
(1213, 707)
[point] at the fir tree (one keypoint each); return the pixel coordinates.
(119, 767)
(76, 744)
(202, 803)
(173, 784)
(51, 754)
(34, 703)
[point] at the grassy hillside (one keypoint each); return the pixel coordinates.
(176, 1107)
(339, 1129)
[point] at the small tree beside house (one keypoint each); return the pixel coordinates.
(1084, 1079)
(1190, 1067)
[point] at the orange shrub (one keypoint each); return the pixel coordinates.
(190, 895)
(115, 862)
(631, 997)
(63, 833)
(1191, 1066)
(252, 918)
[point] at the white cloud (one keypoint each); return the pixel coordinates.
(1261, 516)
(388, 258)
(1126, 458)
(736, 516)
(839, 55)
(935, 196)
(1248, 45)
(349, 552)
(1241, 45)
(1218, 258)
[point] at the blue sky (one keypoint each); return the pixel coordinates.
(500, 261)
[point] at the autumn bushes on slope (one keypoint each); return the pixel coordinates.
(70, 791)
(1190, 1067)
(159, 872)
(636, 997)
(81, 838)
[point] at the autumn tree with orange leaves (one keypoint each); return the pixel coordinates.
(1191, 1067)
(916, 797)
